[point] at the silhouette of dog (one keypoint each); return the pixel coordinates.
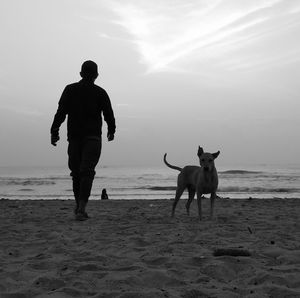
(200, 180)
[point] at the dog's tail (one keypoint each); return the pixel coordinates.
(169, 165)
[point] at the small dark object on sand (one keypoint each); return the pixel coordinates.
(231, 252)
(104, 195)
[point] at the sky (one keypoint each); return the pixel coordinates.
(222, 74)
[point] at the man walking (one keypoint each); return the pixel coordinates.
(83, 102)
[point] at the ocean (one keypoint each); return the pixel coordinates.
(148, 182)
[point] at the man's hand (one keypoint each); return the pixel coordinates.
(110, 137)
(54, 139)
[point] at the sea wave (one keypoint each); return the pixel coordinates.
(27, 182)
(157, 187)
(239, 172)
(231, 189)
(238, 189)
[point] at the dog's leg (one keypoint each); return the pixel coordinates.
(192, 192)
(212, 204)
(199, 201)
(179, 192)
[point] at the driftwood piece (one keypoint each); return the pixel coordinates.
(231, 252)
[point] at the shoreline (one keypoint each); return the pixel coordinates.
(130, 197)
(132, 248)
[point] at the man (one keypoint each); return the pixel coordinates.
(83, 102)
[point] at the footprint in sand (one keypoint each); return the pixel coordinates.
(158, 279)
(49, 284)
(139, 242)
(156, 261)
(89, 267)
(41, 265)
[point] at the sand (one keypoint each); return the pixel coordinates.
(132, 248)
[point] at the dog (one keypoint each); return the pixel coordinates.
(200, 180)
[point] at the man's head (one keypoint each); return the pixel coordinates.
(89, 70)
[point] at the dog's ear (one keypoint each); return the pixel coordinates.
(200, 151)
(215, 155)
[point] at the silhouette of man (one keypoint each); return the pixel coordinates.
(83, 102)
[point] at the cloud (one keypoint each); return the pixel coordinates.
(171, 34)
(22, 110)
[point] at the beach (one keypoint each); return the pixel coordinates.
(133, 248)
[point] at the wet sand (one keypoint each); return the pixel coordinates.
(132, 248)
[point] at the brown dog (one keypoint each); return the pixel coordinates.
(203, 180)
